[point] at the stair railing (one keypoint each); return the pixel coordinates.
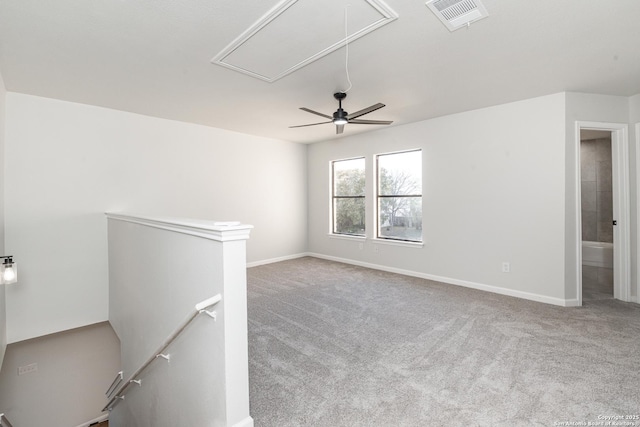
(160, 352)
(4, 422)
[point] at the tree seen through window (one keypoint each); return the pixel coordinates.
(349, 196)
(400, 196)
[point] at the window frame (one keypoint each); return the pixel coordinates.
(334, 197)
(378, 196)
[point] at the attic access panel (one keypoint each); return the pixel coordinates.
(295, 33)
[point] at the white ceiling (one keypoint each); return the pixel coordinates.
(153, 57)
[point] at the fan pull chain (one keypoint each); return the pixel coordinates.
(346, 46)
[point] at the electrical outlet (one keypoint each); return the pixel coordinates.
(27, 369)
(375, 248)
(360, 246)
(506, 267)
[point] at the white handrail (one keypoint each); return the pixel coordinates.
(134, 378)
(4, 422)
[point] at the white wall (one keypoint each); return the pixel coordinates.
(75, 368)
(3, 313)
(69, 163)
(493, 191)
(594, 108)
(634, 109)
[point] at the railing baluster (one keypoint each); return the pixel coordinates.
(116, 382)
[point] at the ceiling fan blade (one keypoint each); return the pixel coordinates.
(371, 122)
(339, 129)
(365, 111)
(316, 113)
(311, 124)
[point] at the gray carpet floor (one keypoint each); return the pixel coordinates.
(332, 344)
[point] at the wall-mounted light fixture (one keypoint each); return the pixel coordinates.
(8, 270)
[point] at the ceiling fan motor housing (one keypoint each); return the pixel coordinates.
(340, 114)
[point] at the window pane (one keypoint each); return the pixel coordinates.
(349, 214)
(400, 174)
(400, 218)
(349, 197)
(400, 196)
(348, 177)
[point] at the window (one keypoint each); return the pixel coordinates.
(399, 194)
(348, 196)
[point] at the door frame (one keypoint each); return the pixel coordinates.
(621, 213)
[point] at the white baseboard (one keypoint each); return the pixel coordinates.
(247, 422)
(272, 260)
(99, 419)
(473, 285)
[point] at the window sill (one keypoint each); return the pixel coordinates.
(398, 243)
(377, 241)
(347, 237)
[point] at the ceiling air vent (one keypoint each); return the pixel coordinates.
(457, 13)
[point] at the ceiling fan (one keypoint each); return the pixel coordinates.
(341, 117)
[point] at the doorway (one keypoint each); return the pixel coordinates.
(603, 232)
(596, 190)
